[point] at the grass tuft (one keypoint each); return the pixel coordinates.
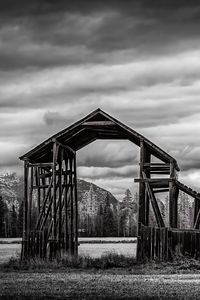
(106, 261)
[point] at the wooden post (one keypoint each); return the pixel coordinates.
(75, 209)
(196, 213)
(143, 207)
(30, 199)
(173, 198)
(37, 181)
(25, 211)
(143, 211)
(55, 150)
(66, 234)
(71, 208)
(60, 199)
(146, 208)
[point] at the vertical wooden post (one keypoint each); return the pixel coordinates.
(30, 199)
(173, 198)
(71, 207)
(196, 210)
(143, 207)
(60, 199)
(146, 208)
(37, 181)
(143, 211)
(54, 194)
(25, 211)
(66, 204)
(76, 209)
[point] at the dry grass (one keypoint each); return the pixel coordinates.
(107, 261)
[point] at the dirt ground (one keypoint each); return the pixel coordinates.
(91, 284)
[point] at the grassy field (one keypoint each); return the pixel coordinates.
(88, 246)
(97, 285)
(44, 280)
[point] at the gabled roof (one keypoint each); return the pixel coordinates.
(96, 125)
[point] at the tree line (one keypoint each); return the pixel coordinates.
(117, 221)
(111, 220)
(11, 221)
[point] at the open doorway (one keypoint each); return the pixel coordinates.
(107, 197)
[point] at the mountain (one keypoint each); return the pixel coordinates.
(11, 190)
(100, 213)
(85, 186)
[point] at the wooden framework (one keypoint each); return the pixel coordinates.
(50, 169)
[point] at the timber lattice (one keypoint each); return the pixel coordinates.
(50, 169)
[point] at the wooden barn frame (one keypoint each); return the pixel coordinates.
(50, 169)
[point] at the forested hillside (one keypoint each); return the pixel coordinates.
(100, 213)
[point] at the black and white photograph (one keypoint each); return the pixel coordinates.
(99, 149)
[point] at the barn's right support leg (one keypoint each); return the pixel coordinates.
(196, 213)
(143, 207)
(173, 198)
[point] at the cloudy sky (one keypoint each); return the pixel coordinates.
(137, 60)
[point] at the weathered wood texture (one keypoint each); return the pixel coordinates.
(50, 174)
(56, 227)
(143, 211)
(162, 244)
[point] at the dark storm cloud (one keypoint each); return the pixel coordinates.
(47, 33)
(137, 60)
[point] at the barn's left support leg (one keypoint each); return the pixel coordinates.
(24, 251)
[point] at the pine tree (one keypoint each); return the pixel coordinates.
(3, 211)
(13, 222)
(108, 218)
(99, 222)
(123, 222)
(20, 219)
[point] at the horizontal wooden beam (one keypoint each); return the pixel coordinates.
(98, 123)
(160, 173)
(160, 185)
(187, 190)
(153, 180)
(161, 191)
(156, 164)
(41, 165)
(49, 174)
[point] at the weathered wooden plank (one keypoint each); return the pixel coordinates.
(145, 156)
(75, 209)
(146, 208)
(153, 180)
(155, 206)
(41, 165)
(196, 219)
(44, 205)
(139, 243)
(160, 191)
(187, 190)
(30, 199)
(151, 164)
(99, 123)
(55, 156)
(25, 210)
